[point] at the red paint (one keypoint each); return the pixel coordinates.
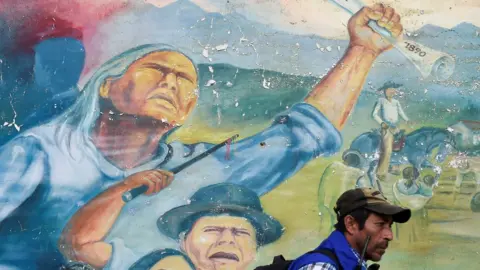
(227, 154)
(49, 27)
(36, 20)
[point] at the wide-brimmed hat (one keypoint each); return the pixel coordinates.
(388, 85)
(372, 200)
(221, 199)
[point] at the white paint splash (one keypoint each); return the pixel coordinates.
(222, 47)
(210, 82)
(266, 84)
(205, 52)
(13, 123)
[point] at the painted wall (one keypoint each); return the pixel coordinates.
(108, 106)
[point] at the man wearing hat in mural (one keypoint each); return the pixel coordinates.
(120, 125)
(363, 232)
(386, 112)
(220, 228)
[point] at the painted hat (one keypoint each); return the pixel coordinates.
(221, 199)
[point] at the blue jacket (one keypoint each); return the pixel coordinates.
(336, 242)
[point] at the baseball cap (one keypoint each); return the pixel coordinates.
(372, 200)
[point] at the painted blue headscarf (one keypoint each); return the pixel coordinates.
(149, 260)
(82, 115)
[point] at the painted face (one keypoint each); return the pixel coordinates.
(380, 230)
(160, 85)
(221, 242)
(390, 92)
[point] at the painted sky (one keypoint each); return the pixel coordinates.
(319, 17)
(35, 20)
(309, 16)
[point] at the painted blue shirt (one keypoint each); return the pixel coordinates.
(44, 180)
(347, 256)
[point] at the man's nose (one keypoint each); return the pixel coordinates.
(388, 234)
(169, 81)
(226, 238)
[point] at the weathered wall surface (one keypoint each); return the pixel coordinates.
(104, 104)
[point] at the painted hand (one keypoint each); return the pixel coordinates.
(362, 35)
(156, 180)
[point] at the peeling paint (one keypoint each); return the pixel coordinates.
(287, 76)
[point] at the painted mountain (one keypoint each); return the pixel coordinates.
(259, 71)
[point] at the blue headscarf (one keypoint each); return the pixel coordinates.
(149, 260)
(81, 117)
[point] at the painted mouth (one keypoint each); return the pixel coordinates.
(224, 255)
(163, 97)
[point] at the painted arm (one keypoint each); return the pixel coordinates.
(83, 237)
(401, 112)
(376, 112)
(336, 95)
(22, 169)
(309, 129)
(263, 161)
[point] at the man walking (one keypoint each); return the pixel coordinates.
(386, 113)
(364, 220)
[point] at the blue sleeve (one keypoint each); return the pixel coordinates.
(122, 256)
(22, 169)
(266, 159)
(312, 258)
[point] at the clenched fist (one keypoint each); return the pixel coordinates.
(362, 35)
(156, 180)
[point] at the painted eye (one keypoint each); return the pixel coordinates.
(242, 233)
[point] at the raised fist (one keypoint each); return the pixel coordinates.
(362, 35)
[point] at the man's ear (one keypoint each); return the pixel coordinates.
(350, 224)
(105, 87)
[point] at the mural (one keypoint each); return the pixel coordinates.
(209, 134)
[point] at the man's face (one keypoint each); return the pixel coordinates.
(380, 230)
(390, 92)
(221, 242)
(160, 85)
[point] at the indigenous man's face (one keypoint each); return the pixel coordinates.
(379, 228)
